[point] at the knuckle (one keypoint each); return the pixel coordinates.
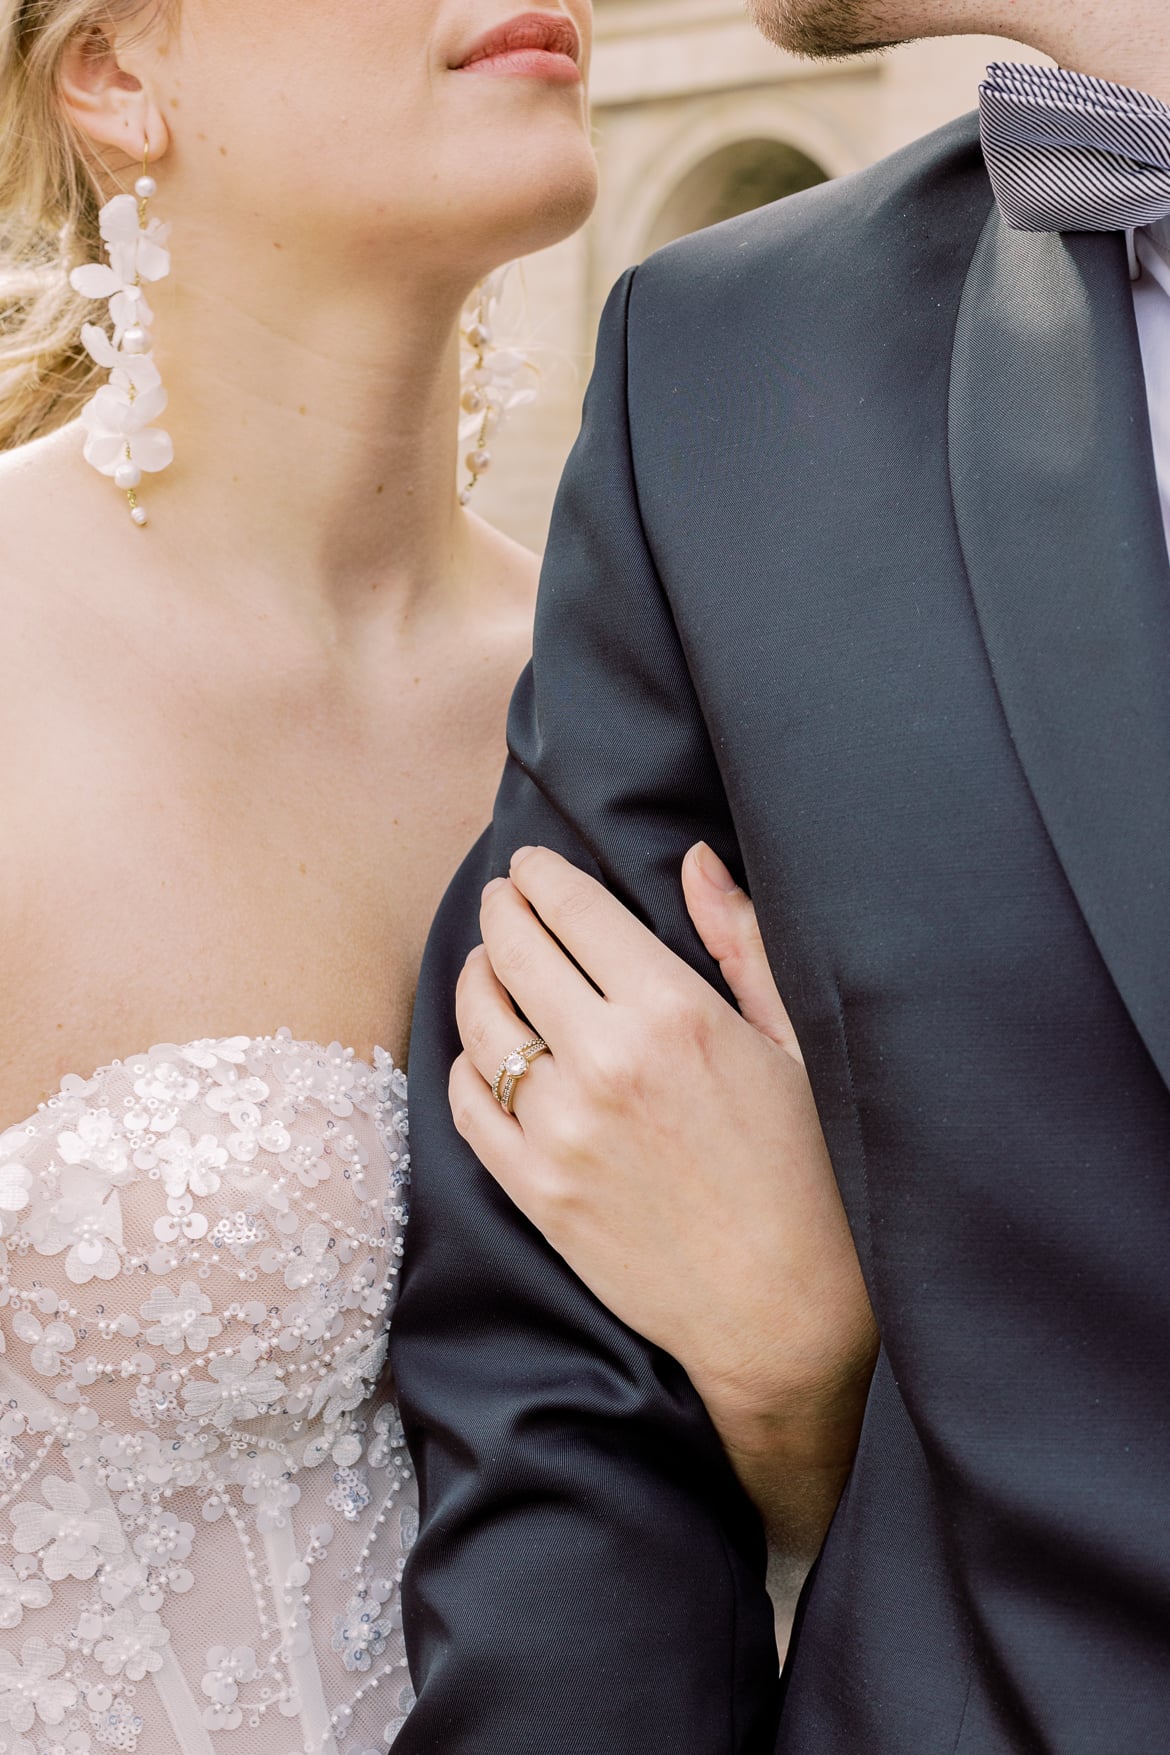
(750, 935)
(617, 1070)
(460, 1100)
(689, 1017)
(755, 952)
(475, 1034)
(511, 956)
(463, 1117)
(577, 898)
(514, 957)
(543, 1191)
(555, 1205)
(574, 1131)
(671, 1006)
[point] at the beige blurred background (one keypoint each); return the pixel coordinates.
(696, 119)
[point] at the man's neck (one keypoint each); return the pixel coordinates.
(1127, 41)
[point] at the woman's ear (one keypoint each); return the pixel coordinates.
(109, 104)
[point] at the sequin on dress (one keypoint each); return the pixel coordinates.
(205, 1497)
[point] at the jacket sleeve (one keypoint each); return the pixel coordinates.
(588, 1577)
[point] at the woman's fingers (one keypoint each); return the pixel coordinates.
(486, 1017)
(489, 1027)
(725, 920)
(615, 950)
(495, 1138)
(544, 983)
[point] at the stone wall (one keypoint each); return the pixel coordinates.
(685, 93)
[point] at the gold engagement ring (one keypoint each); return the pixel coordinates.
(513, 1069)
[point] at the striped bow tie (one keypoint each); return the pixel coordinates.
(1068, 153)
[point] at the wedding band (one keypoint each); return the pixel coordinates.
(513, 1069)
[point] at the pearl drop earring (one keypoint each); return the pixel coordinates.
(489, 378)
(120, 440)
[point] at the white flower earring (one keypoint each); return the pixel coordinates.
(120, 440)
(490, 374)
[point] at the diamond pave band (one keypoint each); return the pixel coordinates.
(513, 1069)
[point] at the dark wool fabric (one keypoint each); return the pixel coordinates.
(857, 571)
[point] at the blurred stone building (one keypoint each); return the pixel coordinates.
(697, 119)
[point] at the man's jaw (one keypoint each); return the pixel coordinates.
(830, 30)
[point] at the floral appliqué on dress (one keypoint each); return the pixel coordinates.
(205, 1495)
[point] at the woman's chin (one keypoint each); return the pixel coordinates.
(533, 212)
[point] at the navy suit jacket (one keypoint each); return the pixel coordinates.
(857, 571)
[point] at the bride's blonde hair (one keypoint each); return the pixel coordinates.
(49, 203)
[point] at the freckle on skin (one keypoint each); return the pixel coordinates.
(223, 152)
(381, 487)
(304, 868)
(302, 409)
(174, 103)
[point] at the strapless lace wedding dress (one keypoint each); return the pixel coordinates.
(205, 1498)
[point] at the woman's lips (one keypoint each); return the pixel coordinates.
(535, 45)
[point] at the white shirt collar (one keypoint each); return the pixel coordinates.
(1151, 297)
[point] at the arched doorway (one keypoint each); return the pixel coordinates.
(733, 180)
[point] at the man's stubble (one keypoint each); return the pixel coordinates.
(827, 30)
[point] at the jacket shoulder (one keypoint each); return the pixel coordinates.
(907, 214)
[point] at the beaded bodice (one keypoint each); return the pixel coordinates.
(205, 1498)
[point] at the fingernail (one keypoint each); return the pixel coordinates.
(713, 868)
(479, 951)
(496, 883)
(521, 854)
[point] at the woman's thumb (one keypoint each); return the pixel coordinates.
(725, 919)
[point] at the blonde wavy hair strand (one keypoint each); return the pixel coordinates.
(49, 205)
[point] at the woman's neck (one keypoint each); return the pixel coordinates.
(315, 431)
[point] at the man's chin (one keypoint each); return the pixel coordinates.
(821, 30)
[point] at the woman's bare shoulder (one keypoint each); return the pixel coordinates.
(44, 468)
(44, 503)
(50, 587)
(506, 578)
(49, 514)
(515, 569)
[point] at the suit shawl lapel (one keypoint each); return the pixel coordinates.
(1056, 500)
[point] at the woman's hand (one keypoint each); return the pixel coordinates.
(668, 1148)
